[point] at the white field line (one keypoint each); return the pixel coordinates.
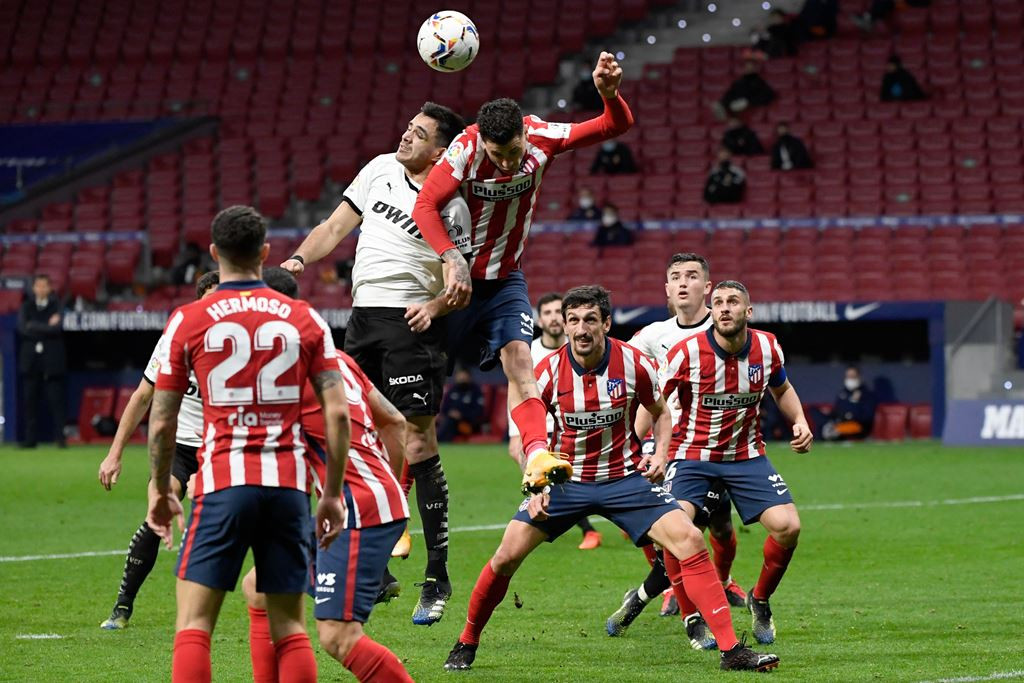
(38, 636)
(998, 676)
(977, 500)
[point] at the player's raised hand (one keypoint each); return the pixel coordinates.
(458, 285)
(163, 509)
(110, 469)
(538, 506)
(293, 266)
(330, 520)
(802, 438)
(607, 75)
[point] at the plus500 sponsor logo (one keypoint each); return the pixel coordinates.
(594, 419)
(497, 191)
(729, 401)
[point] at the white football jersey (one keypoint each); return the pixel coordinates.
(657, 339)
(394, 265)
(538, 352)
(190, 414)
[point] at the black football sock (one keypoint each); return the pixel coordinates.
(656, 582)
(142, 552)
(585, 525)
(432, 500)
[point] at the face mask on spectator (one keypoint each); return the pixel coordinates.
(586, 202)
(851, 384)
(609, 218)
(608, 145)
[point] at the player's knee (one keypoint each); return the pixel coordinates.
(339, 637)
(787, 533)
(504, 562)
(252, 596)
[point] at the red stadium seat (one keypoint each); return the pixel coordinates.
(891, 422)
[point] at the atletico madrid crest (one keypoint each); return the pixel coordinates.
(755, 373)
(616, 388)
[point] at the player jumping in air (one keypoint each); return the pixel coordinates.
(552, 338)
(594, 386)
(145, 544)
(347, 575)
(719, 378)
(397, 332)
(687, 285)
(498, 163)
(252, 350)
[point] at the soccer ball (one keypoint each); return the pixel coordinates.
(448, 41)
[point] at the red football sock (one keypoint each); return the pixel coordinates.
(406, 480)
(488, 593)
(295, 660)
(776, 559)
(368, 660)
(686, 606)
(725, 553)
(191, 663)
(703, 586)
(531, 419)
(650, 553)
(261, 648)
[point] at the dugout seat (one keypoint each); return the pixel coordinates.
(921, 421)
(97, 403)
(891, 422)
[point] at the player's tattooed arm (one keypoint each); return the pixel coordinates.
(326, 380)
(330, 390)
(163, 423)
(458, 285)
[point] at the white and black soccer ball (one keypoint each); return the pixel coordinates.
(448, 41)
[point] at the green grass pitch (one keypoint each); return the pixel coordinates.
(910, 568)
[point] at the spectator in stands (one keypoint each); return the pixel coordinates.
(586, 209)
(853, 414)
(727, 183)
(613, 158)
(462, 411)
(612, 232)
(789, 152)
(898, 84)
(777, 38)
(585, 96)
(740, 139)
(41, 359)
(817, 19)
(190, 265)
(749, 90)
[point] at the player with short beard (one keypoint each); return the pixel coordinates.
(397, 332)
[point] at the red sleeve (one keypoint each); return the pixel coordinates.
(440, 187)
(548, 393)
(614, 121)
(646, 389)
(324, 356)
(172, 374)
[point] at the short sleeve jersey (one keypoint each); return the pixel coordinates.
(655, 341)
(394, 265)
(252, 350)
(190, 415)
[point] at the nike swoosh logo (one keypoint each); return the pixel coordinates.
(563, 393)
(716, 611)
(852, 312)
(320, 601)
(628, 316)
(779, 493)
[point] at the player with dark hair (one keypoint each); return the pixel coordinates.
(252, 350)
(393, 334)
(593, 385)
(348, 574)
(687, 285)
(145, 544)
(552, 338)
(719, 378)
(498, 165)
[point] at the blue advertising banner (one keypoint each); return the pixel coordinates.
(984, 422)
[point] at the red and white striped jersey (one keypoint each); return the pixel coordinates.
(252, 350)
(595, 410)
(374, 495)
(720, 395)
(501, 207)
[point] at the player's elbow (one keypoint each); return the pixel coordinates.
(337, 415)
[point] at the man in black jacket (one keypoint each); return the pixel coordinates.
(41, 358)
(789, 152)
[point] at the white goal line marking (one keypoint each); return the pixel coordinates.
(496, 527)
(38, 636)
(998, 676)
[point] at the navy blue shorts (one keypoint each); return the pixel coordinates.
(223, 525)
(349, 572)
(632, 503)
(499, 312)
(753, 485)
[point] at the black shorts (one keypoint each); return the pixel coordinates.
(185, 464)
(407, 367)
